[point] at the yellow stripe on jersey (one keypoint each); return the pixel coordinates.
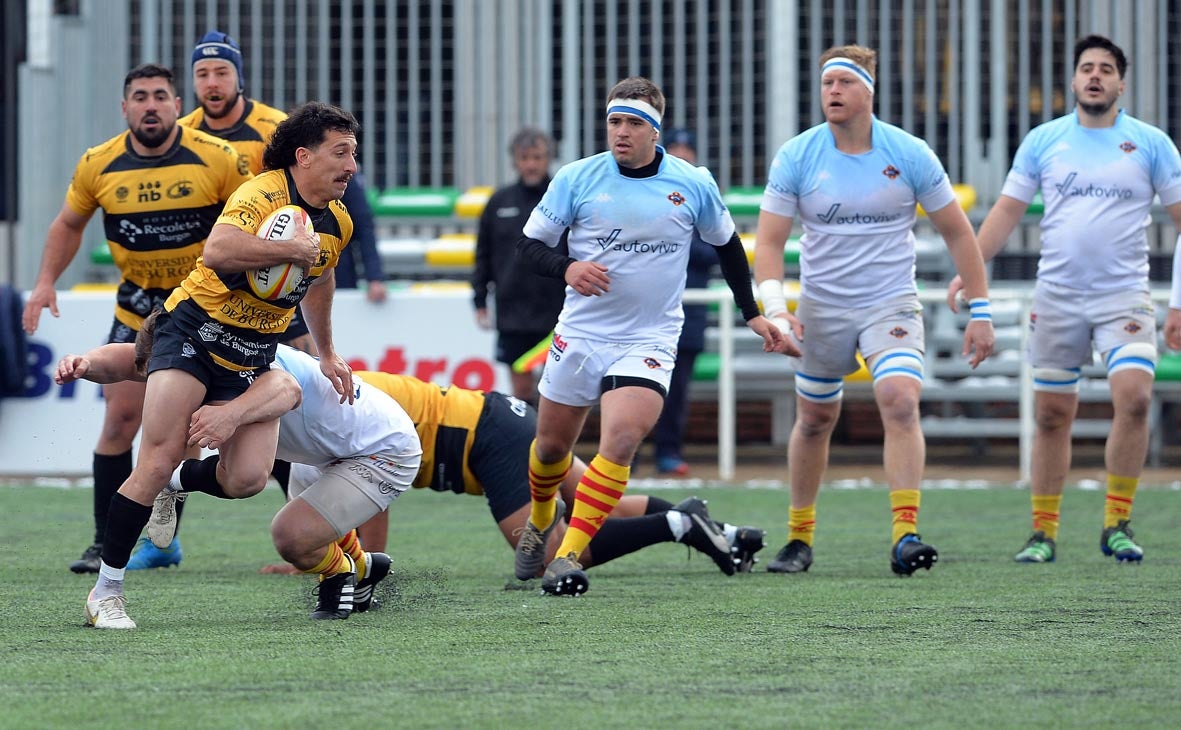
(239, 329)
(157, 211)
(249, 136)
(432, 407)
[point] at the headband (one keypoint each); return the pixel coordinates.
(636, 108)
(846, 64)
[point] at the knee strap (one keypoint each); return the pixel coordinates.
(1056, 380)
(819, 390)
(904, 362)
(1133, 356)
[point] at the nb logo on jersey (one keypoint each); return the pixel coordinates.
(149, 192)
(605, 242)
(827, 217)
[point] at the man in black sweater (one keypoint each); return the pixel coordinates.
(526, 304)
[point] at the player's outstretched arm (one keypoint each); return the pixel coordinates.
(112, 363)
(1000, 223)
(61, 246)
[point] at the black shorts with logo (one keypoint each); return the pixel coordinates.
(174, 350)
(500, 452)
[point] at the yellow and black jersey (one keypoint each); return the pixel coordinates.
(249, 136)
(239, 330)
(446, 420)
(157, 211)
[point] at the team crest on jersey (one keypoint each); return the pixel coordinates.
(652, 363)
(210, 332)
(676, 198)
(891, 172)
(121, 193)
(181, 189)
(898, 333)
(1128, 147)
(1132, 328)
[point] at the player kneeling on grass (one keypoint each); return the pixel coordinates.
(368, 451)
(477, 443)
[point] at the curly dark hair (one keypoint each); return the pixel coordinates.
(306, 127)
(1104, 43)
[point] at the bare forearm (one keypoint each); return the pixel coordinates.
(968, 264)
(230, 250)
(268, 397)
(317, 311)
(61, 246)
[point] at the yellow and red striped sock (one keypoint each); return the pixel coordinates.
(1121, 491)
(905, 505)
(335, 561)
(599, 490)
(1045, 513)
(801, 523)
(351, 545)
(544, 480)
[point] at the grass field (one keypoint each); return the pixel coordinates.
(657, 642)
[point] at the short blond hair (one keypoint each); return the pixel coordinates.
(866, 58)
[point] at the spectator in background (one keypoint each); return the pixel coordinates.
(364, 241)
(669, 433)
(527, 304)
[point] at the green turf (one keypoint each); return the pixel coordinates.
(657, 642)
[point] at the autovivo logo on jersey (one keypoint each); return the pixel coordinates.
(1068, 189)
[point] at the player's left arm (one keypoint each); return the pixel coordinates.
(111, 363)
(317, 313)
(1173, 320)
(270, 396)
(953, 225)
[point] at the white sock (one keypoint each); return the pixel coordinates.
(678, 522)
(110, 581)
(730, 531)
(174, 484)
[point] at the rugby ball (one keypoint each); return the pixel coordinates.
(276, 282)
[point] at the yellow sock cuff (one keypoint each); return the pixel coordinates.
(1122, 486)
(801, 524)
(544, 471)
(615, 472)
(331, 563)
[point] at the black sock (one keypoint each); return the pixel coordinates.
(622, 535)
(109, 474)
(281, 471)
(201, 476)
(656, 504)
(125, 520)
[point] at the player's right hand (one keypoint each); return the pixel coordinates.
(588, 278)
(953, 293)
(40, 298)
(793, 334)
(71, 368)
(306, 249)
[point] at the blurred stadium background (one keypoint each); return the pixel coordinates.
(440, 85)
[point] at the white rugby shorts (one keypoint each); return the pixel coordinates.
(575, 368)
(834, 335)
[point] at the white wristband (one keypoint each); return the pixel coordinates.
(772, 297)
(980, 308)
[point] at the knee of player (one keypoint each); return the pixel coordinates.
(243, 483)
(285, 539)
(816, 419)
(898, 400)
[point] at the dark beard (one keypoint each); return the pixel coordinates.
(1096, 110)
(152, 140)
(230, 102)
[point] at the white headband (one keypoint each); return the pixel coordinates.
(636, 108)
(846, 64)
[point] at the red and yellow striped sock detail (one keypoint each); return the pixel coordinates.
(1121, 491)
(544, 480)
(1045, 513)
(351, 545)
(801, 523)
(335, 561)
(599, 490)
(904, 503)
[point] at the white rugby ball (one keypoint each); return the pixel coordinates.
(276, 282)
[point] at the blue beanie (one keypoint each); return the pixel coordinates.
(216, 44)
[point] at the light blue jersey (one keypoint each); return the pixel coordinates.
(857, 211)
(1097, 185)
(640, 229)
(322, 430)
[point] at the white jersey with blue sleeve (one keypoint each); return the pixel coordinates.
(323, 430)
(857, 211)
(641, 230)
(1097, 186)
